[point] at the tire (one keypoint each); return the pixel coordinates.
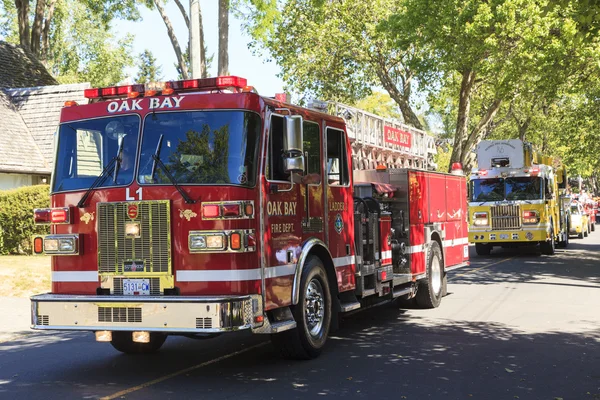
(593, 226)
(564, 243)
(430, 290)
(585, 233)
(123, 342)
(312, 315)
(580, 235)
(483, 249)
(548, 247)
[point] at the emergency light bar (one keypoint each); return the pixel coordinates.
(167, 88)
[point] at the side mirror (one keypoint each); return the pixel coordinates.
(294, 164)
(293, 135)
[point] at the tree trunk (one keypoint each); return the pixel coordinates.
(203, 71)
(462, 121)
(185, 16)
(46, 31)
(23, 18)
(36, 29)
(407, 112)
(174, 41)
(223, 38)
(467, 156)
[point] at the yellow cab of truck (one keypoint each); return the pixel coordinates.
(515, 198)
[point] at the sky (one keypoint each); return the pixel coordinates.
(150, 33)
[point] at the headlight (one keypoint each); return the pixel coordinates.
(197, 242)
(214, 242)
(66, 245)
(51, 245)
(480, 219)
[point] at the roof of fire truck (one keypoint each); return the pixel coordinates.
(203, 86)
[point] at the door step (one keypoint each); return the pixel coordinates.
(281, 326)
(401, 292)
(345, 307)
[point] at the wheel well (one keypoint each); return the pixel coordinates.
(323, 255)
(435, 236)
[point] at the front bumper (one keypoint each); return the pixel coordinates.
(169, 314)
(517, 236)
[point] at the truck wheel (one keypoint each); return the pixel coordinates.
(483, 249)
(548, 247)
(123, 342)
(312, 315)
(564, 243)
(593, 226)
(580, 235)
(430, 291)
(585, 232)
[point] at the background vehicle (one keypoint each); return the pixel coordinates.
(239, 212)
(579, 224)
(514, 198)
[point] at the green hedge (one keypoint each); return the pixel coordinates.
(16, 217)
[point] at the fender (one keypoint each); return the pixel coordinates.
(306, 249)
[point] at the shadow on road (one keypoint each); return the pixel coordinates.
(381, 354)
(580, 262)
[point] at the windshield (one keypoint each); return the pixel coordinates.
(499, 189)
(574, 210)
(86, 147)
(526, 188)
(201, 147)
(487, 189)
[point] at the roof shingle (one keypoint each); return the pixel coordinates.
(20, 68)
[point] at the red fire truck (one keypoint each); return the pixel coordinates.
(199, 207)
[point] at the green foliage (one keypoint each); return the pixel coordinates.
(148, 70)
(380, 104)
(442, 158)
(16, 217)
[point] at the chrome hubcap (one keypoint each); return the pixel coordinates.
(315, 307)
(436, 275)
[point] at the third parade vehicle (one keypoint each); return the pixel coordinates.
(515, 198)
(199, 207)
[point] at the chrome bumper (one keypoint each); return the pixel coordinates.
(170, 314)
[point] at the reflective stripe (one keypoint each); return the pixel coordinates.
(235, 275)
(386, 254)
(74, 276)
(280, 270)
(344, 261)
(224, 275)
(455, 242)
(415, 249)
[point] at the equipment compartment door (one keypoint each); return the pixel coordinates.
(456, 242)
(340, 207)
(437, 197)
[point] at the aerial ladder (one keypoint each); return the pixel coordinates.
(382, 141)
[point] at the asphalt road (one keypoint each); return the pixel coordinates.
(514, 326)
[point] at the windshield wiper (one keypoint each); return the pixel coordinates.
(162, 166)
(118, 159)
(157, 154)
(99, 181)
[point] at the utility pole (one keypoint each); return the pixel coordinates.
(194, 50)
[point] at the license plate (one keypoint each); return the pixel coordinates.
(503, 236)
(136, 287)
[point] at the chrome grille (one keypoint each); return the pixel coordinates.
(506, 217)
(43, 320)
(119, 314)
(153, 246)
(203, 323)
(118, 286)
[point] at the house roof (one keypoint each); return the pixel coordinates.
(20, 68)
(39, 107)
(18, 151)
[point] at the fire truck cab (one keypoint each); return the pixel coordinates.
(202, 208)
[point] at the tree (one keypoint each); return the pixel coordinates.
(223, 38)
(490, 51)
(36, 37)
(148, 70)
(334, 49)
(380, 104)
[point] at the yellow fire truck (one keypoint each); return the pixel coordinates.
(514, 198)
